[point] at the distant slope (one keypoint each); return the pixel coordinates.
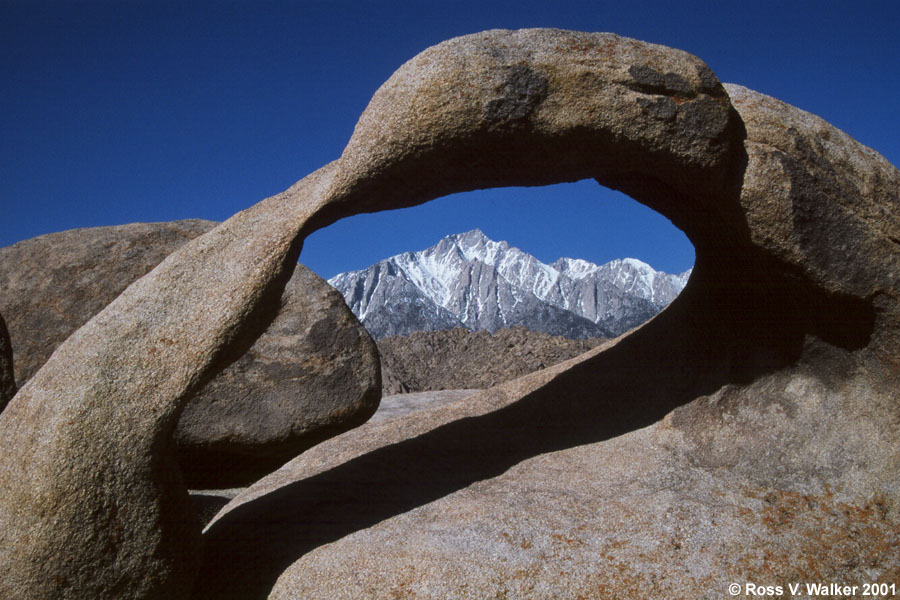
(468, 280)
(463, 359)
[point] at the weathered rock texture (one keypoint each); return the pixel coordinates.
(499, 499)
(53, 284)
(462, 359)
(7, 379)
(770, 382)
(311, 375)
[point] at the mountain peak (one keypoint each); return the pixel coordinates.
(475, 245)
(468, 239)
(472, 234)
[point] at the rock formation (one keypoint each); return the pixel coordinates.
(463, 359)
(759, 406)
(311, 375)
(7, 379)
(738, 436)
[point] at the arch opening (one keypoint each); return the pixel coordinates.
(448, 287)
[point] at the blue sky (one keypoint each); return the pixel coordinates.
(113, 112)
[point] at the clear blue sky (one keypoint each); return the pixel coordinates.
(113, 112)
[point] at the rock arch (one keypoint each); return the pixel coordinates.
(92, 503)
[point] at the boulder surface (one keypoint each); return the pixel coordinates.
(311, 375)
(53, 284)
(399, 405)
(768, 386)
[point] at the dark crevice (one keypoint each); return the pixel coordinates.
(7, 379)
(211, 467)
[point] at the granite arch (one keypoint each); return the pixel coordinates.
(762, 191)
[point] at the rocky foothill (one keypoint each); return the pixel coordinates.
(747, 433)
(462, 359)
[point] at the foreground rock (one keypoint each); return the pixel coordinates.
(311, 375)
(7, 379)
(461, 359)
(780, 355)
(487, 505)
(207, 503)
(746, 434)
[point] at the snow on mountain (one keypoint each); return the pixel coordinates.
(472, 281)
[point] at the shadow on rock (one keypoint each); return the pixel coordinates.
(692, 349)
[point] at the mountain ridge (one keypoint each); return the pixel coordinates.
(469, 280)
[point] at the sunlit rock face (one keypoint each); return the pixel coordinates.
(702, 449)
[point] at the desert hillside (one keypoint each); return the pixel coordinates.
(462, 359)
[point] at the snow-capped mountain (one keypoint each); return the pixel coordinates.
(468, 280)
